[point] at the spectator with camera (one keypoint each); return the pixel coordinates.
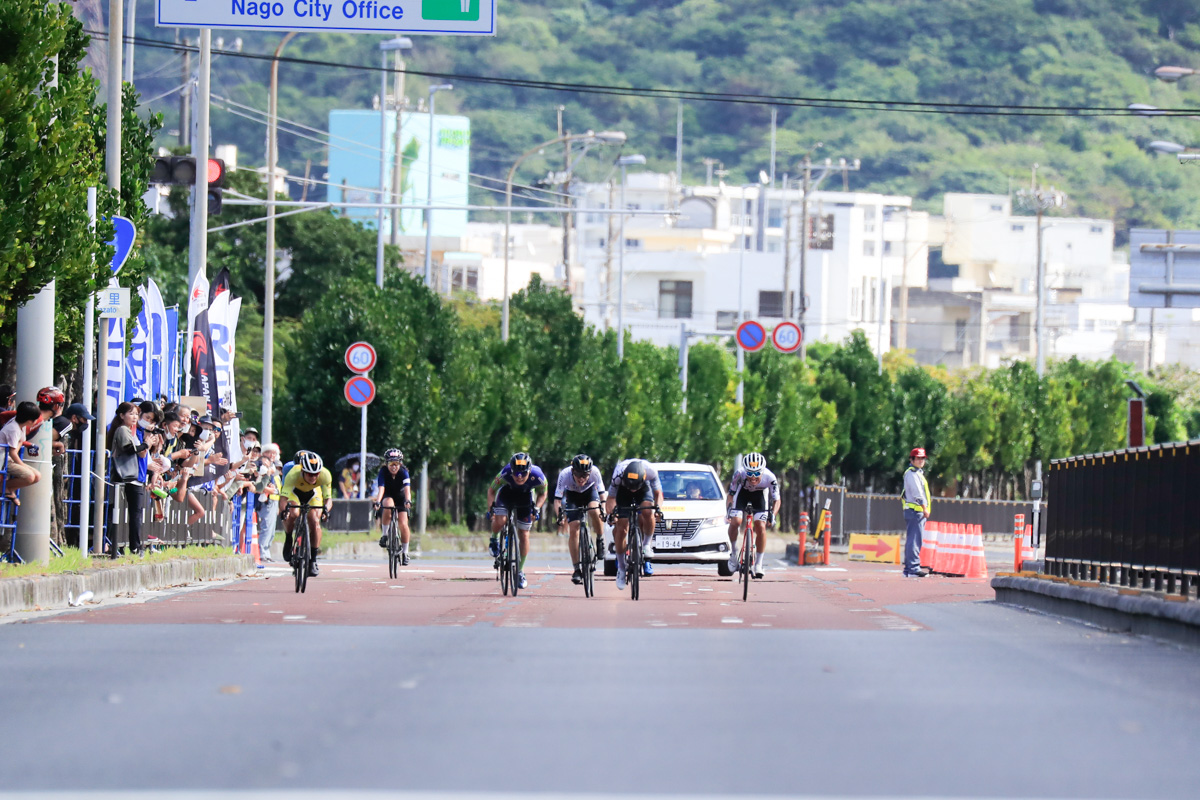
(270, 481)
(12, 437)
(128, 471)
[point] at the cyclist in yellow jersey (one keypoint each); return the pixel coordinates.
(310, 485)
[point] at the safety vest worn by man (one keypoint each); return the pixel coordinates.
(916, 484)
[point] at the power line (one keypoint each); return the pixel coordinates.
(917, 107)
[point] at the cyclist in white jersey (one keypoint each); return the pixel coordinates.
(755, 486)
(579, 491)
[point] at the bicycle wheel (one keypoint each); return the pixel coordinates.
(393, 547)
(297, 532)
(514, 559)
(747, 559)
(587, 561)
(633, 569)
(505, 573)
(305, 554)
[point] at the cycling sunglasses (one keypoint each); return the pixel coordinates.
(754, 473)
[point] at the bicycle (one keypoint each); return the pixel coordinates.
(508, 563)
(587, 550)
(635, 557)
(395, 556)
(301, 549)
(746, 563)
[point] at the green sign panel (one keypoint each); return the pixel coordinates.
(455, 10)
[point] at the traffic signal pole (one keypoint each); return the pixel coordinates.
(198, 242)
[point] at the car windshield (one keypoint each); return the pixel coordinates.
(678, 484)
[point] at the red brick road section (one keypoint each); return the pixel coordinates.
(853, 596)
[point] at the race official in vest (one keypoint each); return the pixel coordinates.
(916, 511)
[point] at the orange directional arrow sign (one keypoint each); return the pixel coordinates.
(884, 548)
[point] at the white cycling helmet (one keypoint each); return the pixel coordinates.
(754, 463)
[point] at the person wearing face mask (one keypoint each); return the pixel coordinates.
(187, 456)
(128, 474)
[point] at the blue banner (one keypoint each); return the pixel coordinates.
(172, 357)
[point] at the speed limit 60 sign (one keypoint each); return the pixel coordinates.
(786, 337)
(360, 357)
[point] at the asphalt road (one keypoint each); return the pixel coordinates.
(835, 683)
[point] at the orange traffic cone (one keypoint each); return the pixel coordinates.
(1028, 551)
(254, 539)
(976, 557)
(1018, 535)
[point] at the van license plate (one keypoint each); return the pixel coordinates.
(668, 542)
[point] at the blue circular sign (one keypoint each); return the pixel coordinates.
(360, 391)
(751, 336)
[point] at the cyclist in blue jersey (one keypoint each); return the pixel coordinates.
(520, 490)
(393, 494)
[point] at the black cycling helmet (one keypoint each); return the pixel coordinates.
(520, 463)
(581, 465)
(634, 474)
(393, 455)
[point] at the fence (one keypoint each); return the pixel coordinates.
(855, 512)
(1127, 518)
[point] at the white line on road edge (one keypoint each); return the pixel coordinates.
(280, 794)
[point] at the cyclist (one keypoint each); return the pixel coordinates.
(513, 491)
(580, 489)
(393, 490)
(633, 481)
(309, 485)
(748, 486)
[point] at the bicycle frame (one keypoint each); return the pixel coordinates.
(634, 553)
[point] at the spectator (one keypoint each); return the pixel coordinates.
(268, 487)
(349, 480)
(7, 397)
(12, 437)
(188, 457)
(69, 429)
(128, 473)
(244, 502)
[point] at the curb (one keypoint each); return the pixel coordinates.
(1143, 614)
(45, 592)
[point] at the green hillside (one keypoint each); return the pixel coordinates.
(1003, 53)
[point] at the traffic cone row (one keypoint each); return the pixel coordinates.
(957, 549)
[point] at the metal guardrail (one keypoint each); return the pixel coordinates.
(864, 512)
(1127, 518)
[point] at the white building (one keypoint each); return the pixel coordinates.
(732, 248)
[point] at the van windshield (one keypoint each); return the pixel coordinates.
(680, 484)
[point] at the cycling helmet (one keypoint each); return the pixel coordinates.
(754, 464)
(581, 465)
(634, 474)
(309, 462)
(51, 396)
(392, 455)
(520, 463)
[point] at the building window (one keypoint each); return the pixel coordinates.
(1097, 229)
(775, 214)
(960, 335)
(770, 304)
(633, 244)
(887, 248)
(868, 247)
(997, 207)
(855, 304)
(675, 299)
(727, 320)
(1018, 228)
(869, 219)
(747, 242)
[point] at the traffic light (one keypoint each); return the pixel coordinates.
(181, 171)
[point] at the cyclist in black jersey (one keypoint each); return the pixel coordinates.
(393, 492)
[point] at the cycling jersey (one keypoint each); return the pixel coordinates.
(567, 483)
(618, 479)
(393, 485)
(302, 493)
(744, 494)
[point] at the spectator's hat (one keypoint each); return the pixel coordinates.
(249, 431)
(78, 410)
(205, 420)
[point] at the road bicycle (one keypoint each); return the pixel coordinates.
(745, 569)
(392, 531)
(302, 557)
(635, 555)
(587, 549)
(508, 563)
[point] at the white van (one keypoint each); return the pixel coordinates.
(693, 529)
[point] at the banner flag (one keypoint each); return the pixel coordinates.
(156, 316)
(115, 358)
(220, 285)
(197, 303)
(137, 378)
(172, 357)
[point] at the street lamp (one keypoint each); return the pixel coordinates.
(433, 90)
(399, 44)
(590, 137)
(1171, 148)
(1173, 74)
(269, 278)
(623, 162)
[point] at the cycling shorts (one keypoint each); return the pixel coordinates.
(310, 498)
(517, 501)
(575, 503)
(745, 499)
(627, 497)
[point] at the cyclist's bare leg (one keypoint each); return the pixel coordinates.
(498, 521)
(573, 542)
(402, 524)
(619, 529)
(386, 506)
(760, 535)
(735, 524)
(523, 540)
(646, 522)
(594, 516)
(314, 525)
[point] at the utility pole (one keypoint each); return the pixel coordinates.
(679, 142)
(902, 333)
(564, 188)
(802, 304)
(198, 249)
(608, 258)
(399, 100)
(185, 97)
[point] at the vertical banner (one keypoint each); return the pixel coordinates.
(197, 304)
(156, 317)
(115, 358)
(137, 361)
(171, 389)
(220, 285)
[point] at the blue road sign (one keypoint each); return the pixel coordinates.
(751, 336)
(360, 391)
(126, 234)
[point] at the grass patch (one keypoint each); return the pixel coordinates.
(73, 561)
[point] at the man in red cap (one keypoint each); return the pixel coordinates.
(916, 511)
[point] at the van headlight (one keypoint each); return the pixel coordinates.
(712, 522)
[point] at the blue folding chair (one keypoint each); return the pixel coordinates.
(8, 517)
